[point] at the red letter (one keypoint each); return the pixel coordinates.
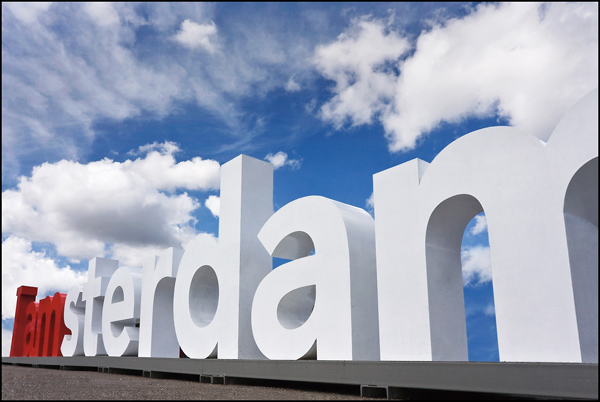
(25, 296)
(51, 325)
(29, 333)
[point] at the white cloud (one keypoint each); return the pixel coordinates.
(356, 61)
(22, 266)
(213, 203)
(164, 173)
(62, 74)
(101, 12)
(6, 342)
(527, 62)
(291, 85)
(370, 203)
(193, 35)
(25, 11)
(480, 225)
(490, 310)
(84, 209)
(472, 308)
(476, 265)
(60, 81)
(164, 148)
(310, 106)
(281, 159)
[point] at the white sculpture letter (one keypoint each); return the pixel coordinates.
(99, 272)
(520, 182)
(121, 311)
(157, 329)
(216, 280)
(338, 281)
(74, 317)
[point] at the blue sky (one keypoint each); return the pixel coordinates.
(117, 116)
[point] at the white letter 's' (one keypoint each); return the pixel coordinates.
(74, 317)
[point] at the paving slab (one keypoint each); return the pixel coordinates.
(22, 382)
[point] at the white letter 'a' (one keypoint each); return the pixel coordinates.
(339, 280)
(216, 280)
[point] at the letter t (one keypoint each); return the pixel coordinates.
(99, 273)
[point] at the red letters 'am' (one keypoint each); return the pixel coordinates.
(50, 328)
(39, 328)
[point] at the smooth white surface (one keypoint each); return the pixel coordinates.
(157, 329)
(541, 205)
(120, 312)
(74, 317)
(520, 182)
(216, 280)
(337, 282)
(573, 148)
(99, 272)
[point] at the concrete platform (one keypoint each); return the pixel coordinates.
(377, 379)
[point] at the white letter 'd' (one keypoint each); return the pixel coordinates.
(216, 280)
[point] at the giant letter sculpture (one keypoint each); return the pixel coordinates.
(121, 312)
(343, 324)
(216, 280)
(99, 272)
(29, 334)
(74, 319)
(520, 182)
(157, 329)
(573, 154)
(50, 327)
(25, 296)
(39, 327)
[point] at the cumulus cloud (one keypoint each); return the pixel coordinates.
(167, 147)
(281, 159)
(526, 62)
(480, 225)
(22, 266)
(476, 265)
(356, 62)
(197, 36)
(213, 203)
(88, 209)
(164, 173)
